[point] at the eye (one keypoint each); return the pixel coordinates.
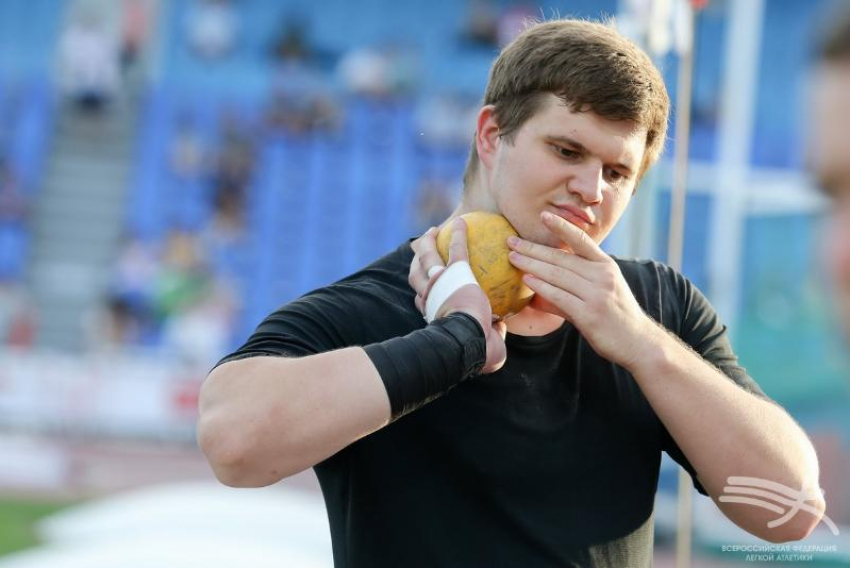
(616, 176)
(566, 153)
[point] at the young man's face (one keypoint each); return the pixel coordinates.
(572, 164)
(830, 160)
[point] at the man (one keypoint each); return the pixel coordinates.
(830, 156)
(534, 441)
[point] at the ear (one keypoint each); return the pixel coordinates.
(487, 137)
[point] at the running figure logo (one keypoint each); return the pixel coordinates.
(775, 493)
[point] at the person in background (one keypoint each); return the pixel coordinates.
(829, 157)
(89, 62)
(212, 28)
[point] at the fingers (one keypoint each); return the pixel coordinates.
(417, 278)
(426, 259)
(457, 245)
(569, 305)
(569, 261)
(429, 257)
(577, 239)
(558, 276)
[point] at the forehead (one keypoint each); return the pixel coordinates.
(624, 140)
(829, 148)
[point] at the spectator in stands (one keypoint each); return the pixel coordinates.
(17, 315)
(228, 223)
(183, 275)
(829, 156)
(482, 24)
(212, 27)
(236, 159)
(135, 31)
(234, 165)
(14, 207)
(297, 112)
(514, 20)
(388, 71)
(187, 157)
(136, 271)
(291, 43)
(89, 62)
(119, 325)
(445, 120)
(125, 318)
(301, 99)
(365, 71)
(203, 326)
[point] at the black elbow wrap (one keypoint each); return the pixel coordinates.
(424, 364)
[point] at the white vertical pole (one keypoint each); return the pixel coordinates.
(675, 246)
(735, 127)
(676, 236)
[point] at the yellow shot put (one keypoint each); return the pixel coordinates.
(487, 234)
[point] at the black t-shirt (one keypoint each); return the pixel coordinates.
(551, 461)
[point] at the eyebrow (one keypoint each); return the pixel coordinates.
(582, 149)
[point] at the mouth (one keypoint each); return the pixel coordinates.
(574, 215)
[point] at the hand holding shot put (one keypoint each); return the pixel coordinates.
(461, 293)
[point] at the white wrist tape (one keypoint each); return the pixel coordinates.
(456, 276)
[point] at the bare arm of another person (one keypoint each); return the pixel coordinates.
(265, 418)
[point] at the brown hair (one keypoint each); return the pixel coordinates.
(836, 48)
(587, 65)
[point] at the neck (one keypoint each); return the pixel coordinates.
(474, 199)
(531, 321)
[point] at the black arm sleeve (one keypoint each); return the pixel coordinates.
(699, 327)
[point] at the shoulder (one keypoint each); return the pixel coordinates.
(384, 280)
(649, 272)
(373, 304)
(376, 297)
(668, 296)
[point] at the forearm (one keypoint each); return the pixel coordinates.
(265, 418)
(725, 431)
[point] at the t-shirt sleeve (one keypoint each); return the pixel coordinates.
(337, 316)
(699, 327)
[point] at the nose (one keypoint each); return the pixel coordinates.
(587, 183)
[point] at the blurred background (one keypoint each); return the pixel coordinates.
(172, 171)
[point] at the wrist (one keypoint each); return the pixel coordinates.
(469, 333)
(426, 363)
(653, 351)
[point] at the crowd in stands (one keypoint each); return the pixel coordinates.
(170, 292)
(17, 319)
(166, 296)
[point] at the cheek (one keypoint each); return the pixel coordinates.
(838, 250)
(613, 208)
